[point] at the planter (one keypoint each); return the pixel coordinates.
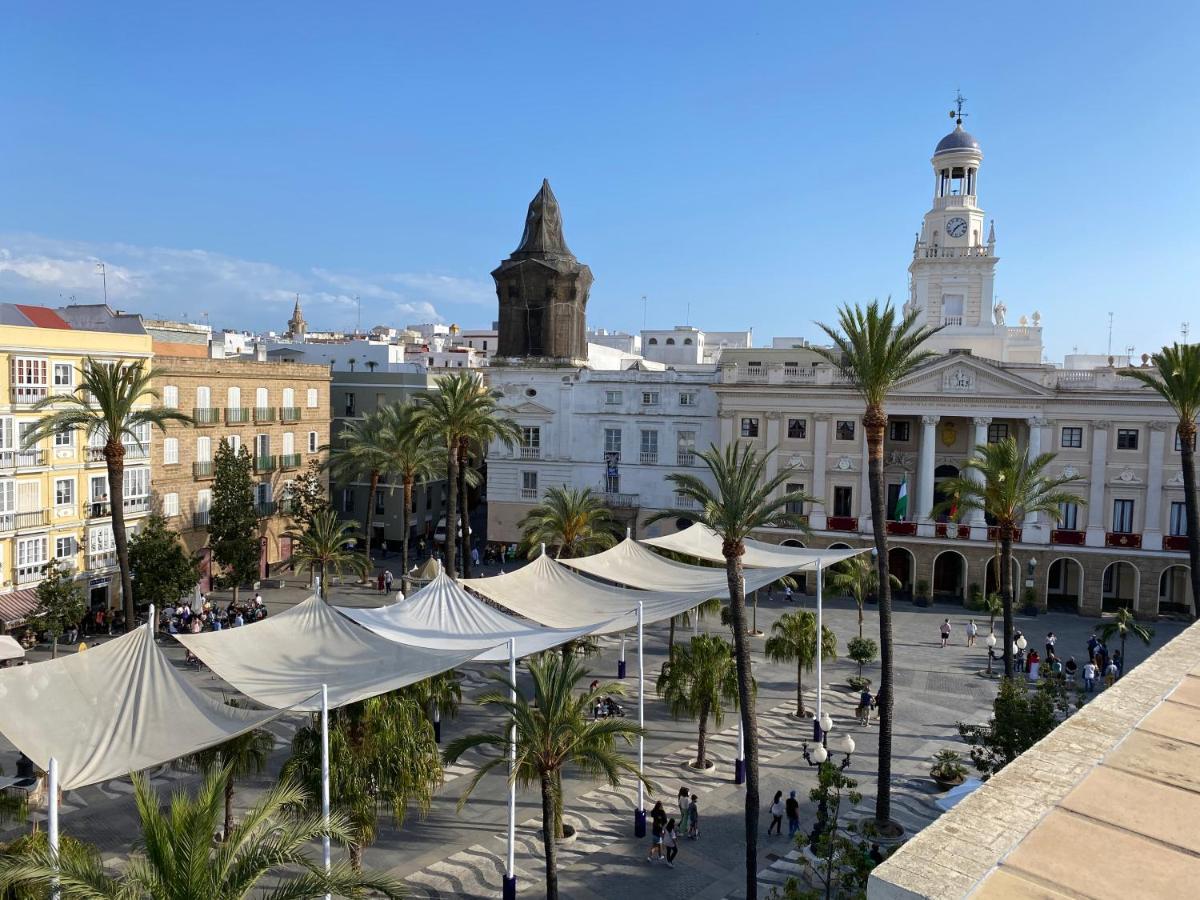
(858, 682)
(945, 784)
(889, 834)
(709, 766)
(570, 833)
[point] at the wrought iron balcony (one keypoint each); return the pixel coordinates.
(263, 414)
(265, 463)
(237, 415)
(206, 416)
(289, 460)
(202, 470)
(289, 414)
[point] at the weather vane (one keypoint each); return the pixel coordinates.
(957, 114)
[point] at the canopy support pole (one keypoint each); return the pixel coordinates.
(820, 634)
(437, 724)
(696, 622)
(621, 660)
(739, 764)
(639, 815)
(325, 856)
(510, 877)
(52, 821)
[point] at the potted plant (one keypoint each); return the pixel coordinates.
(947, 769)
(1029, 599)
(922, 598)
(862, 651)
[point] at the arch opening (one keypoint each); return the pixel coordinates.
(1064, 585)
(950, 576)
(1119, 587)
(1175, 591)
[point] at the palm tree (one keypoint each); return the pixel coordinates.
(106, 405)
(875, 351)
(710, 607)
(572, 521)
(697, 681)
(382, 758)
(178, 858)
(437, 695)
(555, 729)
(858, 578)
(794, 639)
(245, 754)
(413, 458)
(993, 606)
(72, 853)
(322, 548)
(363, 450)
(460, 411)
(743, 498)
(1124, 625)
(1176, 376)
(1006, 485)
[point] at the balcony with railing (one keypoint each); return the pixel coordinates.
(993, 534)
(136, 504)
(621, 501)
(1176, 543)
(530, 452)
(265, 463)
(31, 573)
(288, 414)
(684, 502)
(935, 251)
(842, 523)
(265, 508)
(901, 529)
(22, 459)
(202, 471)
(1126, 540)
(752, 373)
(529, 493)
(951, 530)
(15, 521)
(200, 518)
(800, 374)
(685, 458)
(101, 560)
(28, 394)
(289, 460)
(264, 414)
(237, 415)
(97, 509)
(648, 457)
(206, 416)
(135, 451)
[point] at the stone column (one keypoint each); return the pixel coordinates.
(1096, 513)
(1036, 424)
(726, 427)
(772, 468)
(925, 478)
(976, 518)
(817, 517)
(864, 489)
(1152, 532)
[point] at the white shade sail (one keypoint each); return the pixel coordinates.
(702, 542)
(281, 660)
(634, 565)
(444, 616)
(548, 592)
(113, 709)
(10, 649)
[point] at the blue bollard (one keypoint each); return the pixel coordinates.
(510, 887)
(620, 668)
(739, 771)
(639, 823)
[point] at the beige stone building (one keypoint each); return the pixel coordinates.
(278, 411)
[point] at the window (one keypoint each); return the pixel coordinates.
(845, 429)
(652, 342)
(797, 429)
(649, 398)
(1072, 437)
(347, 499)
(137, 483)
(612, 442)
(312, 442)
(1127, 438)
(204, 500)
(670, 342)
(379, 507)
(62, 375)
(233, 398)
(612, 398)
(843, 501)
(64, 437)
(203, 397)
(612, 483)
(1123, 516)
(1068, 516)
(170, 396)
(529, 486)
(29, 379)
(235, 443)
(289, 444)
(649, 455)
(31, 557)
(685, 448)
(1179, 519)
(262, 446)
(900, 431)
(288, 400)
(1179, 443)
(687, 398)
(312, 398)
(170, 505)
(997, 432)
(203, 449)
(794, 507)
(64, 491)
(687, 342)
(531, 437)
(749, 428)
(170, 451)
(350, 404)
(262, 397)
(64, 547)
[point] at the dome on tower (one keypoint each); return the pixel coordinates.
(956, 140)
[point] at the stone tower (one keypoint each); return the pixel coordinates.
(296, 324)
(543, 291)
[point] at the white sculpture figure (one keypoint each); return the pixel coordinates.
(999, 310)
(1024, 321)
(1037, 319)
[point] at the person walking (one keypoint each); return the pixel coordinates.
(693, 831)
(1120, 661)
(684, 800)
(1110, 674)
(863, 711)
(1070, 669)
(658, 820)
(1051, 640)
(1089, 676)
(787, 593)
(972, 631)
(792, 807)
(671, 842)
(388, 578)
(379, 582)
(776, 811)
(945, 631)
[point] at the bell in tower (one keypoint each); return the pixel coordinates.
(543, 290)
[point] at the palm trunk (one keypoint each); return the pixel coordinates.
(548, 838)
(370, 518)
(404, 526)
(464, 512)
(228, 806)
(356, 855)
(451, 511)
(873, 423)
(800, 685)
(114, 456)
(54, 648)
(559, 834)
(737, 606)
(324, 592)
(702, 737)
(1006, 598)
(1187, 458)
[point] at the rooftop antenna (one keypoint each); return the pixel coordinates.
(1110, 320)
(957, 113)
(1129, 352)
(104, 279)
(1184, 329)
(688, 319)
(643, 312)
(358, 314)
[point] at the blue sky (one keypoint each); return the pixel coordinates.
(760, 162)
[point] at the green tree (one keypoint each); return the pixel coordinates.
(858, 578)
(59, 603)
(1006, 484)
(862, 650)
(994, 607)
(438, 696)
(414, 458)
(243, 755)
(1021, 716)
(364, 450)
(74, 854)
(308, 494)
(322, 548)
(570, 521)
(1176, 378)
(875, 351)
(710, 607)
(841, 868)
(555, 729)
(1122, 626)
(233, 520)
(110, 403)
(794, 639)
(382, 759)
(742, 498)
(177, 858)
(698, 681)
(460, 411)
(162, 567)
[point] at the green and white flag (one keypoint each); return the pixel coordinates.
(902, 501)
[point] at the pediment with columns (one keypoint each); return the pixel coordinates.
(967, 376)
(529, 408)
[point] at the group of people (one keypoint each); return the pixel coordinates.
(665, 831)
(183, 619)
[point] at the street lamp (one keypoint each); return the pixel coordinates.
(1019, 646)
(991, 645)
(820, 754)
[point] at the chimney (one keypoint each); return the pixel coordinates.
(260, 352)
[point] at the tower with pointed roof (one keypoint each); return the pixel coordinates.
(543, 291)
(296, 324)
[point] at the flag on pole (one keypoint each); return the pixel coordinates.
(902, 501)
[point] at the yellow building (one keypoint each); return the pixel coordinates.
(54, 498)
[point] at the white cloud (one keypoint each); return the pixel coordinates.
(235, 293)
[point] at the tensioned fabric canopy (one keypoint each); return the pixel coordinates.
(702, 542)
(632, 564)
(548, 592)
(281, 660)
(442, 615)
(113, 709)
(10, 649)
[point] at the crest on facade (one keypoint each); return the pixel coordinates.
(898, 459)
(949, 433)
(1177, 478)
(797, 462)
(1070, 472)
(959, 380)
(1127, 476)
(844, 464)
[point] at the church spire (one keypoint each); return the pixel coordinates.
(543, 226)
(296, 324)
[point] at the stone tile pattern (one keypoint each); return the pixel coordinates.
(1104, 806)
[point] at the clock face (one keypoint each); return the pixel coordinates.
(956, 227)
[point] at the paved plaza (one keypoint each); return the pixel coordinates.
(461, 854)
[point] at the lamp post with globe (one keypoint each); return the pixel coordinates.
(1019, 646)
(818, 757)
(991, 647)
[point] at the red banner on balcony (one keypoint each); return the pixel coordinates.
(1176, 542)
(842, 523)
(902, 528)
(1063, 536)
(1121, 539)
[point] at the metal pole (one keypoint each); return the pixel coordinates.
(52, 820)
(639, 815)
(621, 660)
(739, 764)
(820, 586)
(325, 857)
(696, 622)
(510, 876)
